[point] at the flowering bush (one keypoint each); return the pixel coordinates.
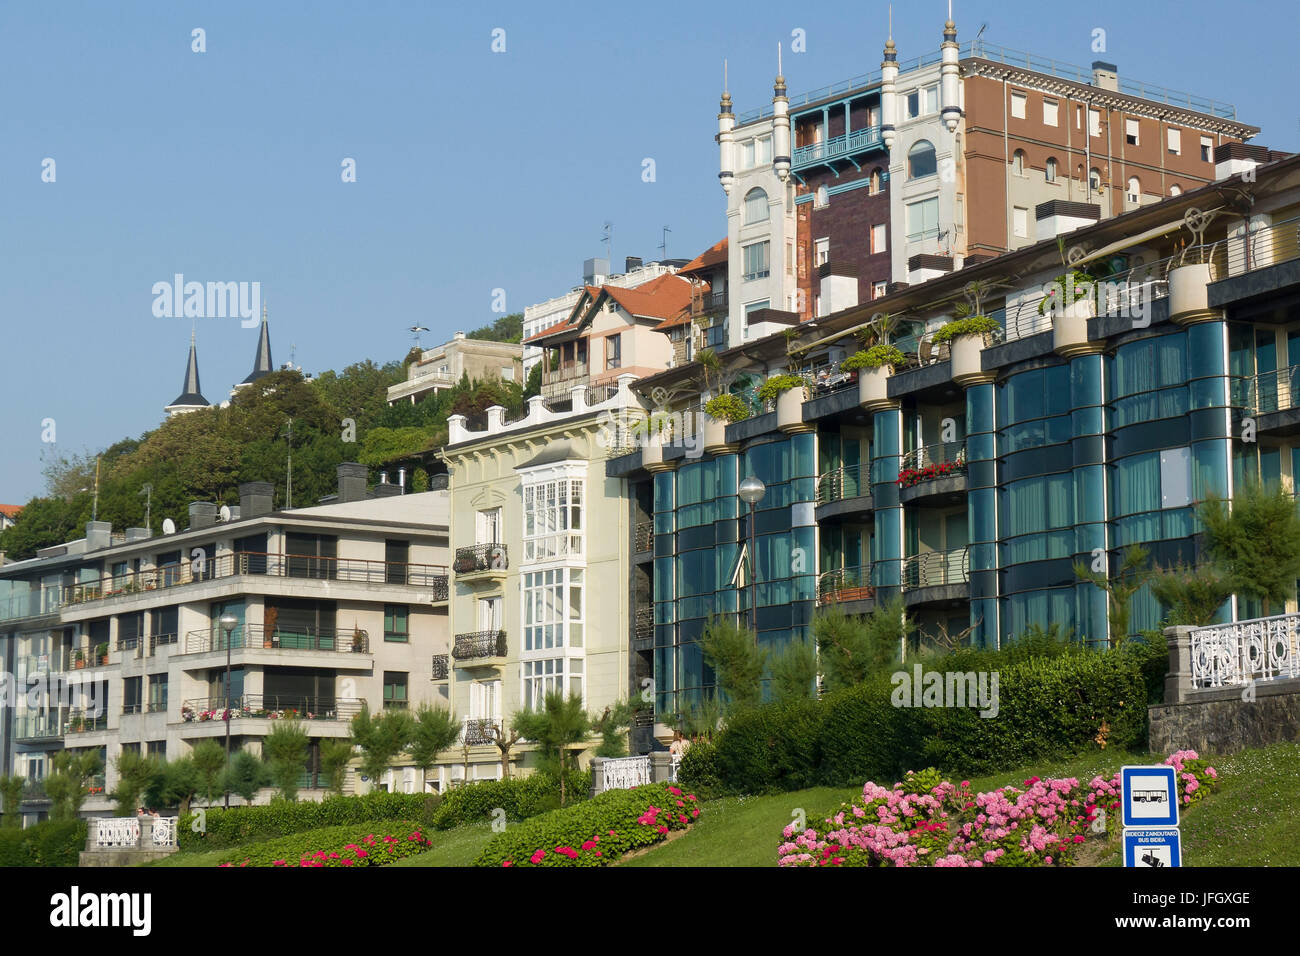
(337, 846)
(943, 469)
(597, 832)
(927, 821)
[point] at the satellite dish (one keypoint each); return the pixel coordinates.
(225, 512)
(169, 526)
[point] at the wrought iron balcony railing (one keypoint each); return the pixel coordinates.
(479, 644)
(478, 730)
(440, 666)
(644, 536)
(943, 460)
(935, 568)
(317, 639)
(481, 557)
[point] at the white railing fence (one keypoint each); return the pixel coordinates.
(1226, 655)
(123, 833)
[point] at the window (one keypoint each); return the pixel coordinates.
(397, 627)
(821, 252)
(1078, 117)
(921, 161)
(614, 350)
(549, 676)
(552, 519)
(789, 257)
(1174, 140)
(931, 101)
(1018, 162)
(1131, 132)
(1049, 171)
(507, 372)
(763, 150)
(1020, 219)
(874, 188)
(755, 206)
(488, 527)
(1018, 105)
(1049, 112)
(755, 307)
(553, 602)
(747, 154)
(1094, 179)
(395, 690)
(131, 691)
(158, 694)
(756, 260)
(879, 233)
(1134, 189)
(489, 614)
(923, 219)
(1094, 122)
(879, 289)
(913, 103)
(821, 198)
(1207, 149)
(485, 700)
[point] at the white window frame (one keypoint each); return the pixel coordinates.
(1132, 131)
(912, 209)
(1020, 221)
(751, 275)
(1051, 112)
(1094, 122)
(879, 238)
(1174, 140)
(487, 528)
(1019, 104)
(821, 251)
(554, 518)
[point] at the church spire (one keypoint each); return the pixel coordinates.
(191, 397)
(262, 360)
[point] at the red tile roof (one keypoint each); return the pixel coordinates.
(662, 298)
(710, 258)
(10, 511)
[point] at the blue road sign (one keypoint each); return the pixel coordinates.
(1150, 796)
(1152, 847)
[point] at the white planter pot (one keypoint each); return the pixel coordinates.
(652, 451)
(873, 387)
(1070, 327)
(714, 431)
(966, 367)
(789, 410)
(1189, 292)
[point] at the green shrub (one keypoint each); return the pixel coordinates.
(51, 843)
(778, 385)
(865, 737)
(771, 748)
(373, 843)
(698, 771)
(282, 818)
(1151, 652)
(595, 833)
(519, 797)
(727, 408)
(874, 357)
(975, 325)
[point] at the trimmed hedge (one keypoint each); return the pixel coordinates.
(52, 843)
(281, 818)
(376, 843)
(1048, 707)
(597, 832)
(698, 771)
(519, 797)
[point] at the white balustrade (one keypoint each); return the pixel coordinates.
(164, 831)
(1225, 655)
(117, 832)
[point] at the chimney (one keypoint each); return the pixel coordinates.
(401, 478)
(459, 336)
(385, 491)
(138, 534)
(1233, 158)
(352, 481)
(839, 287)
(99, 534)
(1105, 76)
(1057, 217)
(203, 514)
(256, 498)
(631, 263)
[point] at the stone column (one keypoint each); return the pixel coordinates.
(146, 833)
(661, 766)
(597, 775)
(1178, 682)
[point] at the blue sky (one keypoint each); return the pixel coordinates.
(475, 170)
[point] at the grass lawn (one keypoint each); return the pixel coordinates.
(458, 847)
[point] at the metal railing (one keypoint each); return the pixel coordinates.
(478, 730)
(1270, 391)
(846, 481)
(836, 147)
(270, 707)
(228, 564)
(441, 666)
(80, 723)
(479, 644)
(940, 460)
(704, 303)
(643, 628)
(38, 726)
(643, 536)
(481, 557)
(1227, 655)
(845, 584)
(936, 568)
(320, 639)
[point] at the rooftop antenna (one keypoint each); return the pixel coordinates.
(724, 74)
(975, 44)
(293, 351)
(608, 240)
(147, 491)
(415, 331)
(288, 472)
(663, 246)
(94, 508)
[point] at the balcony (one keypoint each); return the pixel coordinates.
(708, 303)
(44, 602)
(643, 630)
(643, 537)
(205, 710)
(845, 490)
(36, 727)
(83, 723)
(838, 147)
(1272, 395)
(320, 640)
(231, 563)
(481, 562)
(440, 666)
(934, 473)
(936, 577)
(849, 588)
(479, 731)
(480, 648)
(54, 662)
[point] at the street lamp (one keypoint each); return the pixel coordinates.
(751, 491)
(228, 623)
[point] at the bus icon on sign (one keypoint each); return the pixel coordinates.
(1150, 796)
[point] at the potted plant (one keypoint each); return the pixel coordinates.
(81, 659)
(101, 651)
(874, 365)
(1189, 281)
(358, 642)
(719, 412)
(967, 334)
(788, 392)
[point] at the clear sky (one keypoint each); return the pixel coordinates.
(476, 170)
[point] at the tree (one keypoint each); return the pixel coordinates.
(176, 784)
(533, 384)
(560, 724)
(730, 649)
(794, 672)
(611, 726)
(507, 328)
(433, 731)
(1192, 595)
(284, 750)
(505, 738)
(1128, 580)
(854, 649)
(334, 758)
(11, 792)
(1256, 541)
(68, 784)
(135, 775)
(381, 739)
(209, 759)
(246, 776)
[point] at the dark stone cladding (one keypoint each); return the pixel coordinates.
(1251, 285)
(937, 594)
(1219, 721)
(623, 465)
(860, 505)
(751, 427)
(956, 485)
(844, 400)
(920, 379)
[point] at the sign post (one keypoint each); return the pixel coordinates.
(1150, 812)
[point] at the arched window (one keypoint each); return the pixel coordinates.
(1051, 169)
(1175, 190)
(874, 188)
(1018, 162)
(755, 206)
(921, 161)
(1094, 179)
(822, 197)
(1134, 189)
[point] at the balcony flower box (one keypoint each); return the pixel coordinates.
(944, 469)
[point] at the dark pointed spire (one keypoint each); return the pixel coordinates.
(262, 361)
(190, 397)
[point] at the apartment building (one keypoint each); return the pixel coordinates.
(444, 366)
(972, 479)
(117, 642)
(903, 173)
(540, 571)
(703, 324)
